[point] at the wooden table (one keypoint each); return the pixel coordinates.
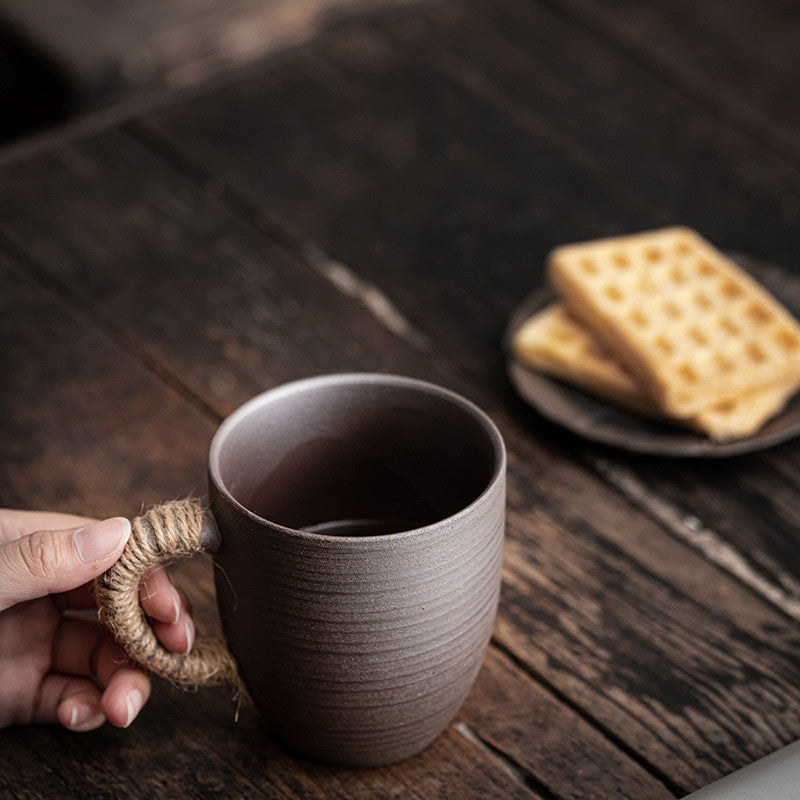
(381, 199)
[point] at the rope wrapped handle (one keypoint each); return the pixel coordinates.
(172, 530)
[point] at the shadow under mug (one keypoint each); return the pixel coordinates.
(357, 522)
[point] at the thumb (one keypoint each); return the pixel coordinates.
(47, 562)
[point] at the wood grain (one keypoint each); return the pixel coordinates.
(623, 622)
(372, 72)
(76, 415)
(419, 169)
(188, 745)
(679, 159)
(84, 281)
(526, 723)
(737, 57)
(491, 169)
(86, 429)
(415, 173)
(164, 255)
(187, 277)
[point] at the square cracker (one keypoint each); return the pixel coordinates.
(691, 327)
(554, 343)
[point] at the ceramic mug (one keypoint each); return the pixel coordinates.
(357, 521)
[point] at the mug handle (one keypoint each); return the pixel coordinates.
(172, 530)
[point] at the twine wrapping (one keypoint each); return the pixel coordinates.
(171, 530)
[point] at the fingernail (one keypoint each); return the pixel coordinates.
(189, 628)
(134, 701)
(101, 538)
(176, 605)
(81, 714)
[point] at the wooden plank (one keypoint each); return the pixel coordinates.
(146, 280)
(515, 715)
(146, 443)
(738, 57)
(193, 748)
(759, 520)
(77, 433)
(451, 767)
(680, 158)
(504, 43)
(506, 191)
(456, 187)
(256, 178)
(108, 51)
(586, 576)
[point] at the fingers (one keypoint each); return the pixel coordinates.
(169, 609)
(84, 648)
(177, 636)
(15, 524)
(74, 702)
(159, 598)
(46, 562)
(126, 693)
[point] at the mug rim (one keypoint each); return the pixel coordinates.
(354, 378)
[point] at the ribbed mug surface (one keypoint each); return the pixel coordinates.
(359, 649)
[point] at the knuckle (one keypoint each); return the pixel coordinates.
(41, 554)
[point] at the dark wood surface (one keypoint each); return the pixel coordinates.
(382, 199)
(105, 51)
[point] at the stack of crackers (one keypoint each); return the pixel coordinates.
(664, 324)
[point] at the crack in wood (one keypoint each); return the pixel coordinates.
(564, 698)
(505, 762)
(691, 530)
(367, 294)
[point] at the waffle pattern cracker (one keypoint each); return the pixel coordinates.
(691, 328)
(554, 343)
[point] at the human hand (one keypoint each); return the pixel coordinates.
(51, 661)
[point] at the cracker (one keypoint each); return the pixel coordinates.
(554, 343)
(690, 326)
(742, 416)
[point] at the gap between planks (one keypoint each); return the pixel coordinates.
(127, 342)
(504, 762)
(344, 279)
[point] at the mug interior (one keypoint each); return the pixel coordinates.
(356, 454)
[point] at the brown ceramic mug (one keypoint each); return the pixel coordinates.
(357, 521)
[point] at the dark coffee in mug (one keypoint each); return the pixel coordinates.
(364, 527)
(376, 461)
